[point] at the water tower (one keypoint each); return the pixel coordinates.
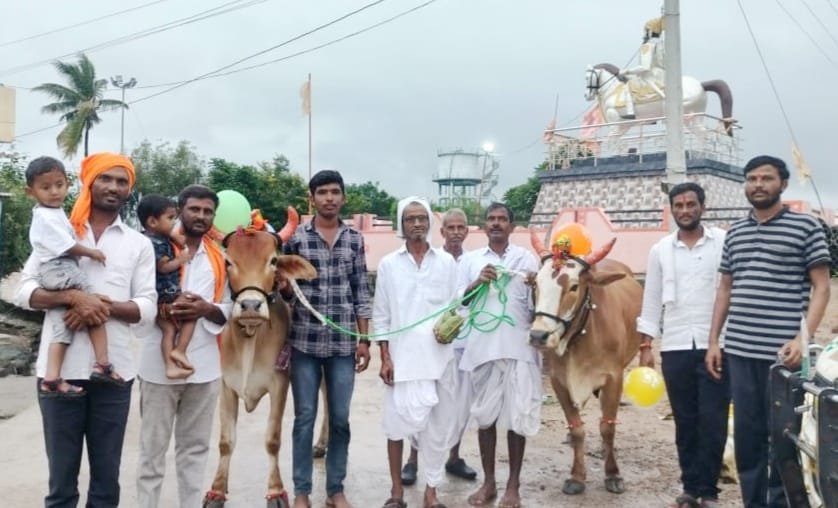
(464, 176)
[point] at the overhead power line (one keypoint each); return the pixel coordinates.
(80, 23)
(193, 18)
(776, 92)
(808, 35)
(820, 22)
(217, 74)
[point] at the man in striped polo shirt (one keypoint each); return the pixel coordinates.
(775, 269)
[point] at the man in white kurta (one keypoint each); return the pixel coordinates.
(454, 231)
(420, 373)
(185, 406)
(505, 370)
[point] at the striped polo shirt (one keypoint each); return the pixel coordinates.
(769, 264)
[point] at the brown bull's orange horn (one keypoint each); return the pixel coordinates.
(290, 226)
(597, 255)
(538, 244)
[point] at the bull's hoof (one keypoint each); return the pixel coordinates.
(277, 500)
(318, 452)
(214, 500)
(573, 487)
(614, 484)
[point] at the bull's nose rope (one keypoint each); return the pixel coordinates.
(478, 318)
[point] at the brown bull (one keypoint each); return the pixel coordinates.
(585, 323)
(250, 343)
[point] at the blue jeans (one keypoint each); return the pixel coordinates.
(339, 373)
(699, 407)
(761, 485)
(98, 418)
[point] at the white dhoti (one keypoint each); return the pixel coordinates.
(507, 393)
(422, 411)
(463, 396)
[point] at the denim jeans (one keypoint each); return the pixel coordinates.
(98, 418)
(339, 373)
(759, 481)
(699, 407)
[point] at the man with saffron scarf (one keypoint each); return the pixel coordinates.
(185, 406)
(127, 280)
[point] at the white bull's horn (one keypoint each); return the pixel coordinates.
(597, 255)
(538, 244)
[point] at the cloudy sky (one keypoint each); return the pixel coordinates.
(455, 73)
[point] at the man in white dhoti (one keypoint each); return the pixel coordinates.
(420, 373)
(454, 231)
(505, 370)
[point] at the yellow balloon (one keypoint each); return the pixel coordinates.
(643, 386)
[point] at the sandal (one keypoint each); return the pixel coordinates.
(52, 388)
(685, 501)
(394, 502)
(107, 374)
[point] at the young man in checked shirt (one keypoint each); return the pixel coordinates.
(339, 292)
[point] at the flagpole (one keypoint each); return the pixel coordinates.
(309, 136)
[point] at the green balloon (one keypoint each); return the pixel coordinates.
(233, 211)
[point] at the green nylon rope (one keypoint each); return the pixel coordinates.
(478, 318)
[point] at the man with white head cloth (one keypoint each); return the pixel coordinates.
(505, 370)
(420, 373)
(454, 231)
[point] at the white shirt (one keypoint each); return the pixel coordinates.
(50, 233)
(460, 344)
(686, 321)
(404, 294)
(506, 341)
(129, 275)
(203, 348)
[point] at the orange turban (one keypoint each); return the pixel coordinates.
(570, 240)
(91, 167)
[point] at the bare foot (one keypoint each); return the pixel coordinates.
(173, 371)
(510, 499)
(338, 501)
(301, 502)
(484, 495)
(430, 498)
(180, 358)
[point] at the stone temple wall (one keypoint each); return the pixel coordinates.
(630, 191)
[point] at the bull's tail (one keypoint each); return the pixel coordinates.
(720, 88)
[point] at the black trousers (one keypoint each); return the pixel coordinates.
(700, 409)
(98, 418)
(760, 484)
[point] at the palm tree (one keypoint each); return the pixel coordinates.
(79, 103)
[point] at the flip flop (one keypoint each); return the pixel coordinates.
(394, 503)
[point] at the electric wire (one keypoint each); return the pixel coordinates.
(80, 23)
(299, 53)
(775, 91)
(193, 18)
(808, 35)
(820, 22)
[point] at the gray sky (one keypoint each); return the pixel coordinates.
(455, 73)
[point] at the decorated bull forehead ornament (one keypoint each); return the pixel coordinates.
(569, 241)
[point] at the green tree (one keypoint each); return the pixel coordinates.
(17, 215)
(79, 103)
(165, 169)
(369, 198)
(521, 199)
(269, 186)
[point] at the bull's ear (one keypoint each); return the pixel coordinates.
(295, 267)
(606, 278)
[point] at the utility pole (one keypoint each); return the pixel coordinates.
(131, 83)
(676, 165)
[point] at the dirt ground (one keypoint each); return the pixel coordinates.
(645, 448)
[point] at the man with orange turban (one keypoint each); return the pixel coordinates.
(126, 285)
